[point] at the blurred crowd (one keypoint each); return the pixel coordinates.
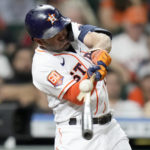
(128, 78)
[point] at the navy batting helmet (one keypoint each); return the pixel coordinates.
(45, 21)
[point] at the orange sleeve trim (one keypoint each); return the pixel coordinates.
(65, 88)
(73, 56)
(97, 100)
(39, 50)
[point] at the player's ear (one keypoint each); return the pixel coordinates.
(39, 41)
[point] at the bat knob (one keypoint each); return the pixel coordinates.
(87, 134)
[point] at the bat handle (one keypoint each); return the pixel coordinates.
(92, 78)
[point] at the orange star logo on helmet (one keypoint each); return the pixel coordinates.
(51, 18)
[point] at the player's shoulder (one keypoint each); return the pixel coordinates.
(43, 63)
(43, 54)
(43, 59)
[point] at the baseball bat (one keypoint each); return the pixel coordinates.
(87, 121)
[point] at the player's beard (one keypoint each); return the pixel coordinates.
(63, 48)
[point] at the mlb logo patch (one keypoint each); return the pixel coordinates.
(55, 78)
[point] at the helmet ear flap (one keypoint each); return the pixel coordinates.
(45, 21)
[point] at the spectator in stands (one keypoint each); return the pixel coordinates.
(20, 87)
(10, 49)
(2, 23)
(111, 13)
(13, 11)
(6, 71)
(75, 10)
(141, 93)
(122, 107)
(130, 47)
(55, 3)
(148, 36)
(123, 72)
(21, 63)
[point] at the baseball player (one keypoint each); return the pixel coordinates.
(67, 53)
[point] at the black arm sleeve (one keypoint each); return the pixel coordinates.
(86, 28)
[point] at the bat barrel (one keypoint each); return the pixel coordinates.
(87, 122)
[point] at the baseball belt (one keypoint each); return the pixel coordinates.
(97, 120)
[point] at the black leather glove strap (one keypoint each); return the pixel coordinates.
(103, 64)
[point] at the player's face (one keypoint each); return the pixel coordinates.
(59, 42)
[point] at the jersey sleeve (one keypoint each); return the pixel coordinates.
(53, 82)
(49, 75)
(80, 31)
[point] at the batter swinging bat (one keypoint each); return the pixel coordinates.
(87, 123)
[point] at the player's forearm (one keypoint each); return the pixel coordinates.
(73, 92)
(95, 40)
(103, 42)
